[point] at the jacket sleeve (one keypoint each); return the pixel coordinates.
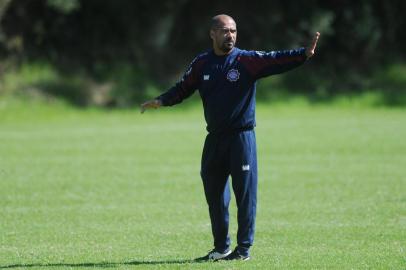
(262, 64)
(185, 87)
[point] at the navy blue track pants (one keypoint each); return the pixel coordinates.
(224, 155)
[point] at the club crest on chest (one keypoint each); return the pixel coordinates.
(233, 75)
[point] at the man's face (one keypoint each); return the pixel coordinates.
(224, 35)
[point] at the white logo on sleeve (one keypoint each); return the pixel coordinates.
(206, 77)
(188, 71)
(259, 53)
(245, 167)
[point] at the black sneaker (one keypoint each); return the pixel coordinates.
(236, 255)
(214, 255)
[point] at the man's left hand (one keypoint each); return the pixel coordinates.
(312, 46)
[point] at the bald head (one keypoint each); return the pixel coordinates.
(219, 21)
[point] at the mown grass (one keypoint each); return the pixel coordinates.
(117, 189)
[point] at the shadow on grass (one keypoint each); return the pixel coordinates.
(99, 264)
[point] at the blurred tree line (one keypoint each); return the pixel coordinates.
(125, 48)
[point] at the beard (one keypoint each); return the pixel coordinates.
(227, 45)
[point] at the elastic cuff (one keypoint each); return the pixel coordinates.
(160, 99)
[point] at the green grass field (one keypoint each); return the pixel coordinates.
(117, 189)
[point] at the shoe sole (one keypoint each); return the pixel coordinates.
(237, 259)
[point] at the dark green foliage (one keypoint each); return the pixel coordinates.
(155, 40)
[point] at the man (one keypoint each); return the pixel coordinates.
(226, 77)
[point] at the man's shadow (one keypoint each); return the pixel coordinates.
(99, 264)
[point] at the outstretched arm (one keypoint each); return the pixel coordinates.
(262, 64)
(183, 89)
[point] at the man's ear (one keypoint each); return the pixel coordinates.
(212, 34)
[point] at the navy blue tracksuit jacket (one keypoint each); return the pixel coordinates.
(227, 86)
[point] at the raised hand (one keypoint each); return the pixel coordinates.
(155, 103)
(312, 46)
